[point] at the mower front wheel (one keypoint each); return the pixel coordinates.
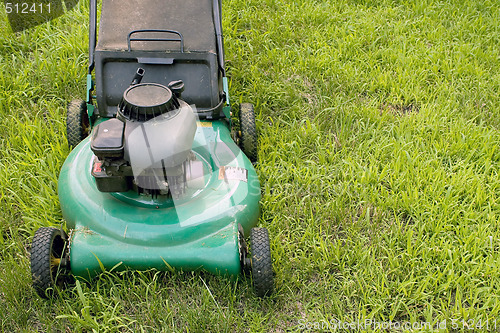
(49, 262)
(77, 122)
(248, 131)
(261, 263)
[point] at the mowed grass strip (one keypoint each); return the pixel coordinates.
(379, 161)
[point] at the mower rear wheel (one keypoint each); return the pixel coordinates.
(77, 122)
(48, 260)
(261, 263)
(248, 131)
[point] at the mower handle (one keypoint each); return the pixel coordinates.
(92, 33)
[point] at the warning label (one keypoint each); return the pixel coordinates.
(233, 173)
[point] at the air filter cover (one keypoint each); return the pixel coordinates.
(145, 101)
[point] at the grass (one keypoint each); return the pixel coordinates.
(379, 159)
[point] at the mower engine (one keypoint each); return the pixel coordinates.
(147, 147)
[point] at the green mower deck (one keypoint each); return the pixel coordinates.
(133, 231)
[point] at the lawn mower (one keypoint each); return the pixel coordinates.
(158, 178)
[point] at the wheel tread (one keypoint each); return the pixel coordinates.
(76, 122)
(262, 270)
(248, 131)
(40, 259)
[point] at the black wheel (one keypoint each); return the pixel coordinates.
(248, 131)
(77, 122)
(261, 264)
(49, 264)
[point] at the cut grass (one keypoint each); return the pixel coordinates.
(379, 165)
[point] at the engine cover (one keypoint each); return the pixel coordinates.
(147, 148)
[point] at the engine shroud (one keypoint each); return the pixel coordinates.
(147, 147)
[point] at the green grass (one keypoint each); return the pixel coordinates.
(379, 163)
